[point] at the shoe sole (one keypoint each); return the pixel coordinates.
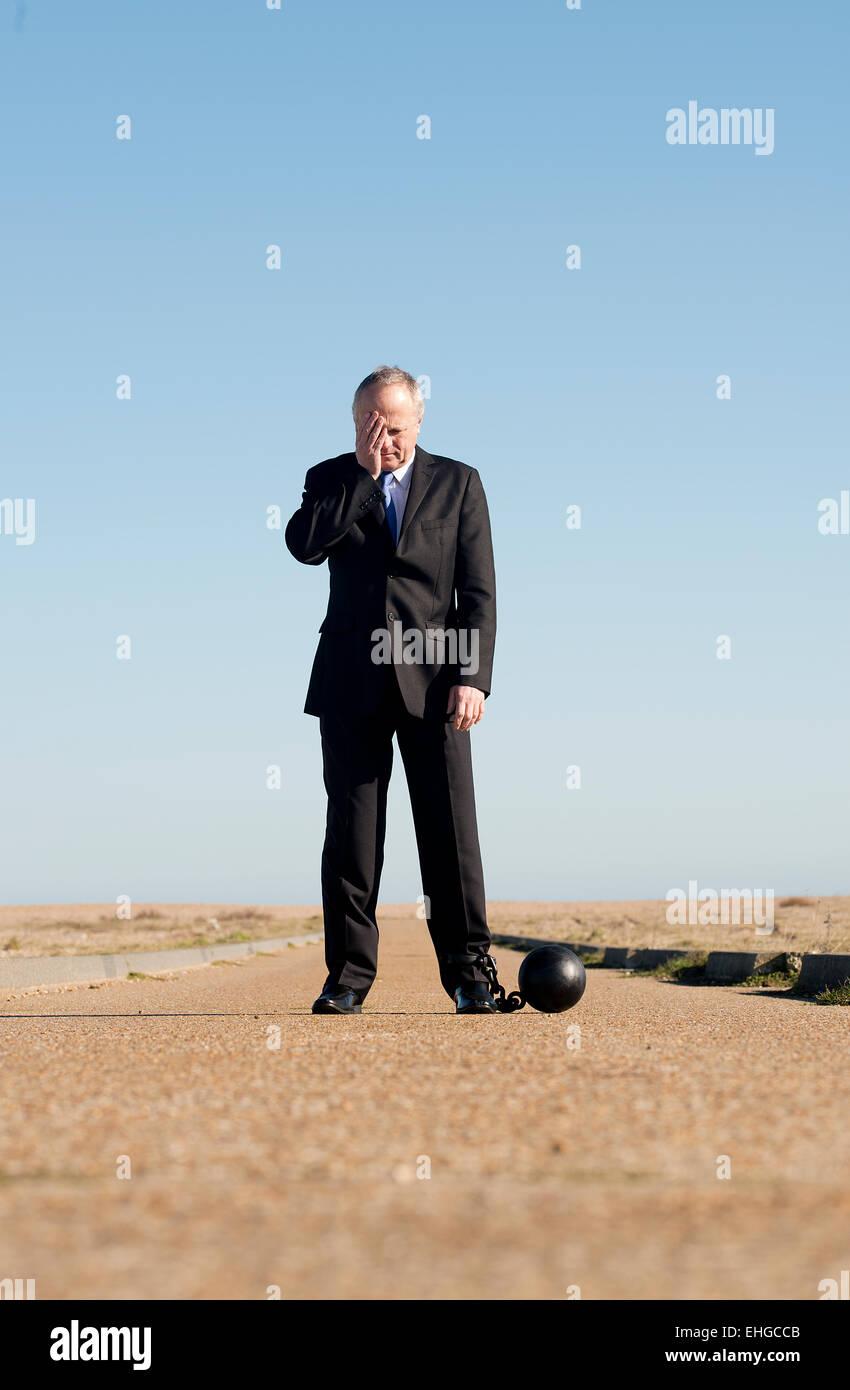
(477, 1009)
(332, 1009)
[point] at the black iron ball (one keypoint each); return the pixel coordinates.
(552, 979)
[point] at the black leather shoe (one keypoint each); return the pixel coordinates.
(338, 1001)
(475, 999)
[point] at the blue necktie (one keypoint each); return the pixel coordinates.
(390, 505)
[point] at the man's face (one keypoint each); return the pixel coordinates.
(403, 423)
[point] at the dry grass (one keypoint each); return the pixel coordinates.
(80, 929)
(801, 924)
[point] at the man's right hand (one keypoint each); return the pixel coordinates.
(371, 435)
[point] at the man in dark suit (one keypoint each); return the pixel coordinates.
(406, 647)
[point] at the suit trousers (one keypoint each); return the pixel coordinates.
(357, 755)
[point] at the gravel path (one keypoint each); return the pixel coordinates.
(550, 1165)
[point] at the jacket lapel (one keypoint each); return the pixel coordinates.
(420, 480)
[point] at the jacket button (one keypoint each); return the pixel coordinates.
(391, 617)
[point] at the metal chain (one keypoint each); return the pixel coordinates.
(506, 1003)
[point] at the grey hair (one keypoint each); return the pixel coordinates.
(390, 376)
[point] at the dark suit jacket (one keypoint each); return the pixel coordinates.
(439, 576)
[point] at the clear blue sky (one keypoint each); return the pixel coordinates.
(593, 387)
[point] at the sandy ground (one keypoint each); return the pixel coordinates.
(551, 1165)
(801, 924)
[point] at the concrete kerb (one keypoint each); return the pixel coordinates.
(731, 966)
(23, 971)
(817, 971)
(616, 957)
(823, 972)
(528, 943)
(650, 957)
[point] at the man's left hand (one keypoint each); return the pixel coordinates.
(467, 704)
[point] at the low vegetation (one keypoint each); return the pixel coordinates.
(678, 969)
(837, 994)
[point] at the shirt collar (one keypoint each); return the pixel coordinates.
(402, 475)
